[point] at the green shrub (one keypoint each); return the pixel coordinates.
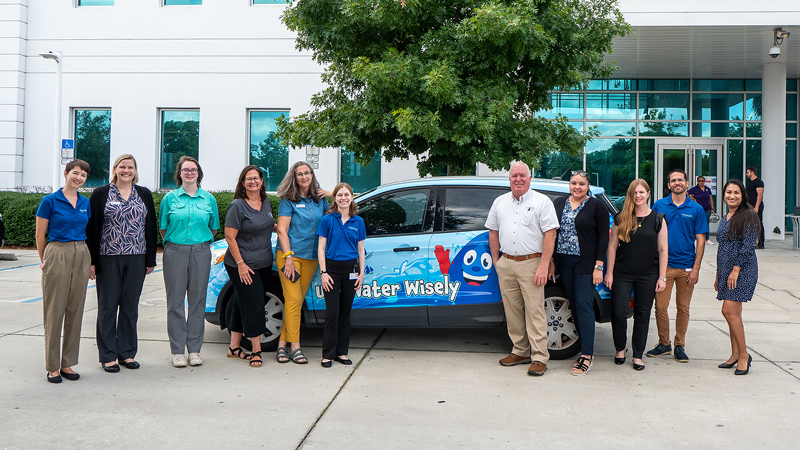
(19, 212)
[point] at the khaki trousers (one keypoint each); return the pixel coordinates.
(64, 278)
(523, 303)
(683, 296)
(294, 294)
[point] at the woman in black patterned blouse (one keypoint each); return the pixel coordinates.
(122, 240)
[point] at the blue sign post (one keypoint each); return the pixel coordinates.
(67, 150)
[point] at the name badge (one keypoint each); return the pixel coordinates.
(115, 203)
(301, 205)
(353, 276)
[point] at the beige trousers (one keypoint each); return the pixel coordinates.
(64, 278)
(683, 297)
(523, 303)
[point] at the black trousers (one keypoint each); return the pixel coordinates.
(247, 316)
(644, 292)
(761, 232)
(338, 304)
(119, 286)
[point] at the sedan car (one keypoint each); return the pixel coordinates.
(428, 264)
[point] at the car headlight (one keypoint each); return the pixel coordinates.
(217, 255)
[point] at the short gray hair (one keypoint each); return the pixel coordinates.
(519, 163)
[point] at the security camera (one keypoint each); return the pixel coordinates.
(774, 51)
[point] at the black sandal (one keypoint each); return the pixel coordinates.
(256, 362)
(298, 357)
(238, 353)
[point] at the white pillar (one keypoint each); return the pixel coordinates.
(773, 147)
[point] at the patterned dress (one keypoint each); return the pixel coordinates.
(736, 252)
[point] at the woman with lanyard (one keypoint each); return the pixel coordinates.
(580, 249)
(341, 263)
(637, 261)
(301, 209)
(122, 239)
(248, 261)
(189, 220)
(65, 262)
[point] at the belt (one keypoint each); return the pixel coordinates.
(523, 257)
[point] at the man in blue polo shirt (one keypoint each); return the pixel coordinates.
(686, 224)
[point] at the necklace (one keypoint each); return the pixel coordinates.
(640, 220)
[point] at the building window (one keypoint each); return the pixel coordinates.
(95, 2)
(271, 2)
(360, 178)
(180, 135)
(93, 142)
(267, 152)
(182, 2)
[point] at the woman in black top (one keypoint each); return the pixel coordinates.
(580, 248)
(248, 231)
(637, 261)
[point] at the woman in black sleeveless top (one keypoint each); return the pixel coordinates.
(637, 261)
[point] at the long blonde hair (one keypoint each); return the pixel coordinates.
(626, 220)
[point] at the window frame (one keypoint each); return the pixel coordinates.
(427, 219)
(160, 141)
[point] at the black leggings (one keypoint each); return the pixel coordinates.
(644, 292)
(338, 303)
(247, 316)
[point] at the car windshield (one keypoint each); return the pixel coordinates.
(612, 208)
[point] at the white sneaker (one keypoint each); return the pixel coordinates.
(710, 242)
(179, 360)
(194, 359)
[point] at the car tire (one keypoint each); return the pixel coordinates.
(562, 335)
(273, 316)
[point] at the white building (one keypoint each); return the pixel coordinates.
(697, 88)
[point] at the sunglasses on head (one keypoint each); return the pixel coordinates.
(581, 173)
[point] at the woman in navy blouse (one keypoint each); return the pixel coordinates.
(65, 261)
(122, 237)
(580, 250)
(341, 265)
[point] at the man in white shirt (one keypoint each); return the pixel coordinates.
(522, 233)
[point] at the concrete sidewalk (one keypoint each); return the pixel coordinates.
(410, 388)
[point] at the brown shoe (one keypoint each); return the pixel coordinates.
(537, 369)
(513, 360)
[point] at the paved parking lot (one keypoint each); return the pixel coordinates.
(410, 388)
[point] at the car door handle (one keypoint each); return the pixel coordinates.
(406, 249)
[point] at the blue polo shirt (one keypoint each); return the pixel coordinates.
(343, 239)
(684, 223)
(66, 224)
(305, 217)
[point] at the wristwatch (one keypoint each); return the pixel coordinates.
(664, 279)
(599, 267)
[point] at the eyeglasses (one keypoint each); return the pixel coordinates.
(189, 170)
(581, 173)
(677, 180)
(303, 174)
(252, 179)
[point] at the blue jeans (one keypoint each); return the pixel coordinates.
(580, 292)
(708, 216)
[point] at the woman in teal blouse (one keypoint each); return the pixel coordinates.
(189, 220)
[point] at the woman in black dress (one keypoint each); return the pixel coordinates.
(737, 269)
(637, 261)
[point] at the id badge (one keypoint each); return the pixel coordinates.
(353, 276)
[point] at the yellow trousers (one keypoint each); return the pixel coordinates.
(294, 294)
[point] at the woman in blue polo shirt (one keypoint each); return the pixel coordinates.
(65, 263)
(341, 263)
(189, 220)
(301, 209)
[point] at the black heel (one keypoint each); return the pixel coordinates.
(745, 371)
(621, 361)
(728, 365)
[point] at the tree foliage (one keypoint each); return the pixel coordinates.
(449, 81)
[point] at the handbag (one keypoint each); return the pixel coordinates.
(713, 218)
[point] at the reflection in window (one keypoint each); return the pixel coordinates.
(93, 143)
(568, 105)
(360, 178)
(180, 135)
(95, 3)
(753, 155)
(611, 164)
(663, 85)
(663, 129)
(466, 209)
(614, 128)
(647, 158)
(664, 107)
(611, 106)
(182, 2)
(753, 107)
(558, 165)
(717, 107)
(266, 151)
(791, 106)
(611, 85)
(735, 159)
(395, 213)
(718, 85)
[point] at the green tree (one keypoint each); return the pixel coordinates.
(93, 143)
(452, 82)
(272, 158)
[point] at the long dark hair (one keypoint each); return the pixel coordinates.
(241, 192)
(744, 217)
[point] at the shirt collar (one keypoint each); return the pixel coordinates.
(180, 191)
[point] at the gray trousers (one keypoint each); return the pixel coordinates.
(119, 285)
(186, 270)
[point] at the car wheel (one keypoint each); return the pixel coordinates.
(273, 316)
(562, 335)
